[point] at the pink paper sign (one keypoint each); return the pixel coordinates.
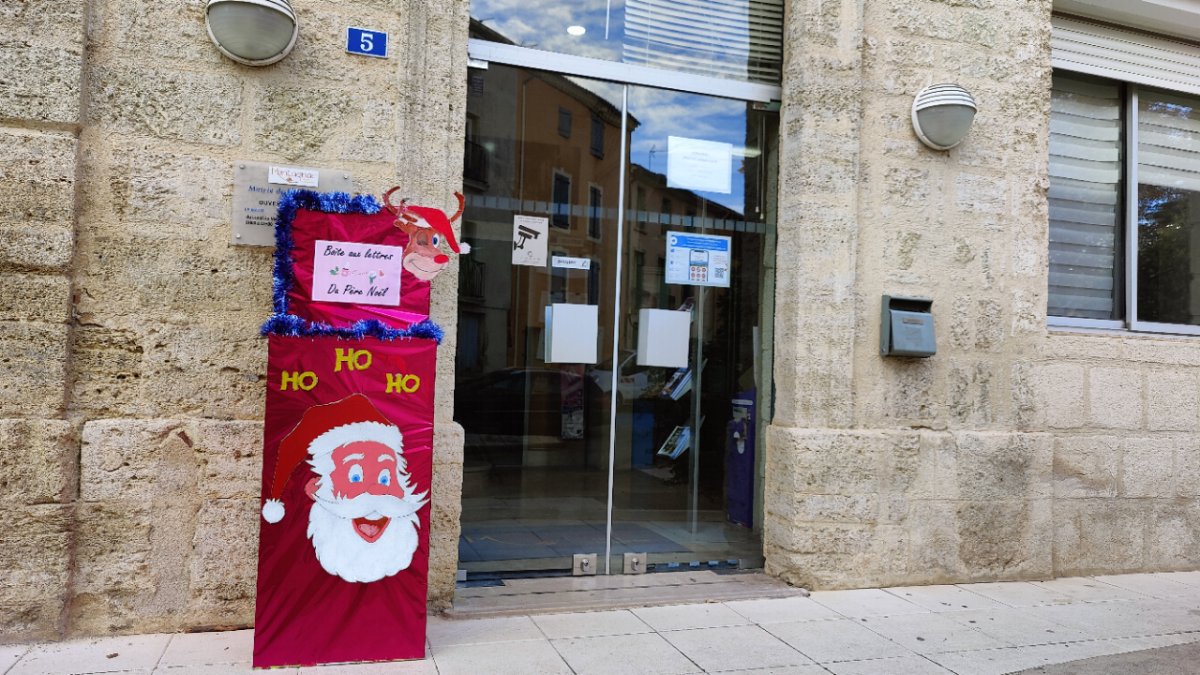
(361, 274)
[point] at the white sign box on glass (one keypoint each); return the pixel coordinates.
(663, 337)
(572, 332)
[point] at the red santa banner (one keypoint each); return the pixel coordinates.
(348, 432)
(344, 541)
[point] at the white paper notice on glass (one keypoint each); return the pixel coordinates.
(568, 263)
(361, 274)
(529, 240)
(695, 164)
(698, 259)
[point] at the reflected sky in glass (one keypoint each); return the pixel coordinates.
(668, 113)
(539, 24)
(543, 25)
(737, 39)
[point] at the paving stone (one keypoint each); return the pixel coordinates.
(619, 654)
(943, 598)
(515, 658)
(444, 632)
(782, 610)
(866, 602)
(682, 617)
(730, 647)
(838, 640)
(134, 652)
(591, 624)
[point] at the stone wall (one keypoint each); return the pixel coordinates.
(42, 61)
(131, 387)
(132, 376)
(1014, 453)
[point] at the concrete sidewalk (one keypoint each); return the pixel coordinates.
(977, 629)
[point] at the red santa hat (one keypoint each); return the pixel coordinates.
(323, 429)
(441, 224)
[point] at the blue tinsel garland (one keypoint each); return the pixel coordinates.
(282, 322)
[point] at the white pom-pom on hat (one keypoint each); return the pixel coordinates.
(464, 248)
(272, 511)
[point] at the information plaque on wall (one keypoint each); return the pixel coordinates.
(256, 190)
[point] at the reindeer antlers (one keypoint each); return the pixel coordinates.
(402, 212)
(462, 204)
(398, 210)
(403, 217)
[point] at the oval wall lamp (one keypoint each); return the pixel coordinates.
(942, 115)
(252, 32)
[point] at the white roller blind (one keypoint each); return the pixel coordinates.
(1168, 140)
(1085, 184)
(1087, 47)
(727, 38)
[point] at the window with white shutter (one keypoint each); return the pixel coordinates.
(1085, 197)
(1124, 171)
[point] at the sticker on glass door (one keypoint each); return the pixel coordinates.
(698, 259)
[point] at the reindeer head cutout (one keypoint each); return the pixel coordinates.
(426, 228)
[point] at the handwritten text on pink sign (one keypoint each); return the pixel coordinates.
(361, 274)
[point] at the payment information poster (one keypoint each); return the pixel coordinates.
(698, 259)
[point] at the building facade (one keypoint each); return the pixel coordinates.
(1054, 433)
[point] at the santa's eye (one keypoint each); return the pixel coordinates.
(385, 478)
(355, 474)
(435, 241)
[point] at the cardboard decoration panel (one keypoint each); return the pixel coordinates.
(345, 262)
(347, 465)
(348, 431)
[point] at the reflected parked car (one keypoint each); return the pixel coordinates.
(502, 402)
(633, 381)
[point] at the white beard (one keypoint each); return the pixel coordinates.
(343, 553)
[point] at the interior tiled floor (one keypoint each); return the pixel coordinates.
(966, 629)
(536, 518)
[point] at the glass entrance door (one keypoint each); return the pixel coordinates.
(624, 199)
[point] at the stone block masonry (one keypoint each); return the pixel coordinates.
(1016, 452)
(131, 381)
(131, 374)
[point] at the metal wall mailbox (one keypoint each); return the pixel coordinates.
(907, 327)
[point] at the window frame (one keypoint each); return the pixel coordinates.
(1138, 60)
(565, 122)
(596, 137)
(557, 174)
(1128, 233)
(595, 212)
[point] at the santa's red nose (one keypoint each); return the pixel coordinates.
(441, 259)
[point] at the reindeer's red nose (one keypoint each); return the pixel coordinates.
(441, 259)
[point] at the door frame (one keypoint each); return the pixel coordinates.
(483, 52)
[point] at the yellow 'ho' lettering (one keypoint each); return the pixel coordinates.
(297, 380)
(355, 359)
(401, 382)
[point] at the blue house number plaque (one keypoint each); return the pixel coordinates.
(367, 42)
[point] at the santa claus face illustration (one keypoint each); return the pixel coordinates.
(363, 521)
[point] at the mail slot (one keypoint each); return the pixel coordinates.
(907, 327)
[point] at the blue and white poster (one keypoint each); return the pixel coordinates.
(698, 259)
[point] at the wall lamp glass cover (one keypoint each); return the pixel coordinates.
(942, 115)
(253, 32)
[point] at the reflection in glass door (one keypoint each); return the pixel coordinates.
(575, 188)
(696, 233)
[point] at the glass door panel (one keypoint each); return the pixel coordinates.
(542, 172)
(696, 240)
(622, 455)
